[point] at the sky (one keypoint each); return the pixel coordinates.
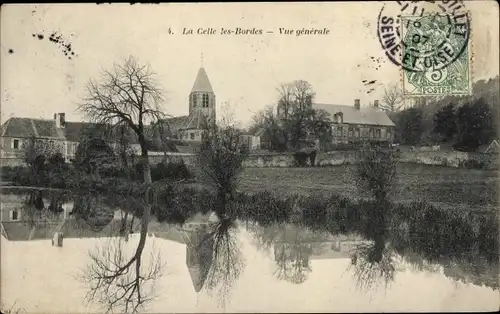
(38, 79)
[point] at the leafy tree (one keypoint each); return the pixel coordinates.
(296, 106)
(445, 122)
(299, 120)
(376, 172)
(409, 126)
(475, 125)
(320, 125)
(220, 159)
(273, 137)
(93, 155)
(36, 154)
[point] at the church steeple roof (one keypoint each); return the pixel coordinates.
(202, 83)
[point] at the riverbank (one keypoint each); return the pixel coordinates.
(456, 188)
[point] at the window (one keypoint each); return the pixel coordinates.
(193, 100)
(14, 215)
(205, 101)
(356, 132)
(339, 131)
(191, 135)
(350, 131)
(16, 144)
(371, 133)
(377, 133)
(388, 132)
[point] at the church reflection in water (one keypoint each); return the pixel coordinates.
(199, 249)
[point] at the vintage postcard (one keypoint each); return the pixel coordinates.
(249, 157)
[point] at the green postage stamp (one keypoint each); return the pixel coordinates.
(436, 56)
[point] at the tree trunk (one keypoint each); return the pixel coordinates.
(146, 215)
(123, 227)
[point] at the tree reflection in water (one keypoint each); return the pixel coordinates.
(227, 260)
(372, 265)
(293, 262)
(116, 278)
(418, 236)
(119, 281)
(293, 248)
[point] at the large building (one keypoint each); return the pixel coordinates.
(352, 123)
(61, 135)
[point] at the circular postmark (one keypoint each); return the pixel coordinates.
(423, 36)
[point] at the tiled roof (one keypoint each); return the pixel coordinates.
(27, 127)
(351, 115)
(202, 83)
(195, 120)
(172, 125)
(74, 130)
(72, 228)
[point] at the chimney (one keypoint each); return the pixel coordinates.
(356, 104)
(375, 103)
(60, 119)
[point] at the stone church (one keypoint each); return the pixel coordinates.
(201, 111)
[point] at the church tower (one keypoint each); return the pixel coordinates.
(202, 96)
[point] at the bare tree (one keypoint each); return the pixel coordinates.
(113, 284)
(128, 96)
(392, 100)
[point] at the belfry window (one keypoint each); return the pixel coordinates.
(205, 101)
(193, 100)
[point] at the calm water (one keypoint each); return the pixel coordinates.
(275, 269)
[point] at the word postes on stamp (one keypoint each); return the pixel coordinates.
(429, 41)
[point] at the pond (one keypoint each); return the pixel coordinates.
(208, 265)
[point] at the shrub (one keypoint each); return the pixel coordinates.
(376, 172)
(176, 204)
(264, 208)
(312, 158)
(314, 211)
(344, 216)
(300, 159)
(472, 164)
(176, 171)
(15, 174)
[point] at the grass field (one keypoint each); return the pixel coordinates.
(476, 189)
